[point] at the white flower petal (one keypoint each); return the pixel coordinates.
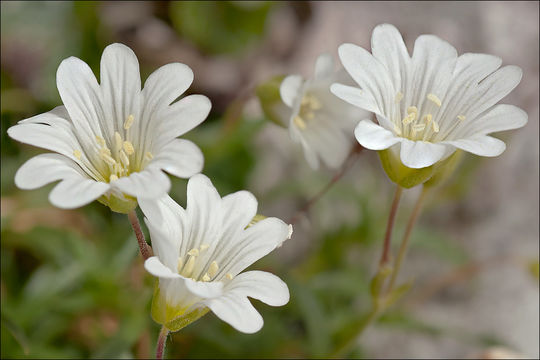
(155, 267)
(75, 192)
(183, 115)
(149, 183)
(388, 47)
(356, 97)
(290, 89)
(325, 138)
(45, 168)
(180, 158)
(369, 73)
(499, 118)
(324, 66)
(205, 290)
(237, 312)
(421, 154)
(373, 136)
(165, 85)
(260, 285)
(255, 242)
(482, 145)
(120, 85)
(239, 208)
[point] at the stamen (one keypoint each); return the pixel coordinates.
(148, 155)
(310, 115)
(77, 154)
(123, 158)
(433, 98)
(100, 140)
(412, 109)
(397, 130)
(113, 177)
(107, 158)
(128, 147)
(129, 121)
(105, 151)
(180, 264)
(427, 118)
(193, 252)
(213, 269)
(206, 278)
(461, 117)
(435, 126)
(399, 96)
(117, 141)
(409, 118)
(299, 122)
(229, 276)
(314, 103)
(189, 266)
(204, 247)
(419, 127)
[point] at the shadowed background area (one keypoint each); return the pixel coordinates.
(73, 284)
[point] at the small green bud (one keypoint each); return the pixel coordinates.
(402, 175)
(274, 109)
(122, 205)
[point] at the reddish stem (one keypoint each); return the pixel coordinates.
(146, 251)
(390, 226)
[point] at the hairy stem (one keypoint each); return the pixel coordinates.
(385, 256)
(347, 164)
(146, 251)
(162, 339)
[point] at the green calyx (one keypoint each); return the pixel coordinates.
(408, 177)
(122, 205)
(270, 99)
(174, 318)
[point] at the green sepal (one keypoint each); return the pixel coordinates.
(402, 175)
(397, 293)
(445, 169)
(123, 205)
(270, 99)
(378, 280)
(255, 220)
(173, 318)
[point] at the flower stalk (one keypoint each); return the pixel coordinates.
(146, 251)
(385, 257)
(162, 339)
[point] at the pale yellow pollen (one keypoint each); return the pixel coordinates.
(128, 147)
(399, 96)
(310, 115)
(129, 121)
(117, 141)
(189, 266)
(148, 155)
(124, 159)
(435, 126)
(193, 252)
(314, 103)
(299, 122)
(77, 154)
(409, 118)
(419, 127)
(100, 140)
(179, 264)
(206, 277)
(204, 247)
(113, 177)
(229, 276)
(213, 269)
(105, 151)
(412, 109)
(433, 98)
(107, 158)
(427, 119)
(461, 117)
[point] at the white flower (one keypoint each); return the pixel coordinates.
(201, 251)
(432, 103)
(113, 139)
(320, 122)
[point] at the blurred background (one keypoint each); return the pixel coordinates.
(73, 284)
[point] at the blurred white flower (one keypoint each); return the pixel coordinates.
(112, 140)
(320, 122)
(201, 251)
(432, 103)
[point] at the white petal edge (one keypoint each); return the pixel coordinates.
(72, 193)
(260, 285)
(44, 169)
(356, 97)
(481, 145)
(373, 136)
(237, 312)
(155, 267)
(421, 154)
(290, 89)
(324, 66)
(184, 115)
(149, 183)
(181, 158)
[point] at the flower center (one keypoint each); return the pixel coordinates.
(308, 107)
(195, 266)
(422, 126)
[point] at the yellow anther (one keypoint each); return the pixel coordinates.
(148, 155)
(229, 276)
(204, 247)
(128, 147)
(412, 109)
(310, 115)
(105, 151)
(299, 122)
(399, 96)
(123, 158)
(409, 118)
(427, 118)
(100, 140)
(433, 98)
(77, 154)
(213, 269)
(206, 278)
(461, 117)
(397, 130)
(113, 177)
(117, 141)
(193, 252)
(435, 126)
(314, 103)
(129, 121)
(189, 266)
(107, 158)
(179, 264)
(305, 101)
(419, 127)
